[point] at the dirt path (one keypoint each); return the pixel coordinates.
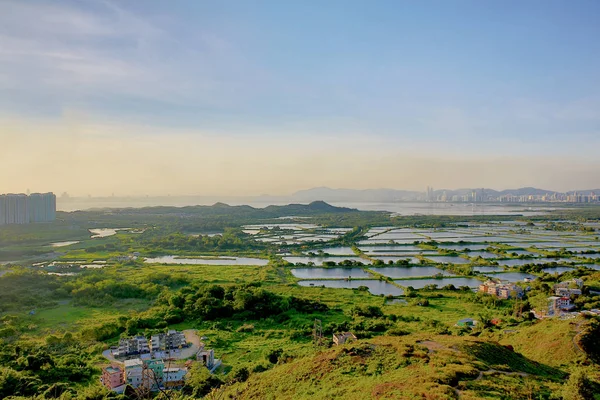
(577, 333)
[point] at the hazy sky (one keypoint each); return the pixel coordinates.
(250, 97)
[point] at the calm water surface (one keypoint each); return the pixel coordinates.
(338, 273)
(375, 287)
(409, 272)
(457, 282)
(208, 261)
(513, 276)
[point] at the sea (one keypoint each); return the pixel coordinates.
(398, 208)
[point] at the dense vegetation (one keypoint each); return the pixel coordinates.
(53, 329)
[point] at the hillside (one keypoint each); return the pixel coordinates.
(548, 341)
(408, 367)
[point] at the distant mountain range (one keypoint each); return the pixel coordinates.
(323, 194)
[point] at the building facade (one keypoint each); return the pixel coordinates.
(501, 290)
(23, 209)
(113, 377)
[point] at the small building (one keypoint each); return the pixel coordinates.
(168, 341)
(206, 357)
(133, 372)
(132, 346)
(558, 304)
(501, 290)
(153, 373)
(113, 378)
(174, 378)
(467, 322)
(342, 338)
(567, 292)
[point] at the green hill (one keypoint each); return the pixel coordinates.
(409, 367)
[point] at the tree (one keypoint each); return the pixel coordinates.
(589, 340)
(578, 387)
(200, 382)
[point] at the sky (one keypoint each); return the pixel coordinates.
(145, 97)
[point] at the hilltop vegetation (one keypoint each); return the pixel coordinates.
(415, 366)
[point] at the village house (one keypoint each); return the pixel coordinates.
(153, 374)
(566, 292)
(149, 374)
(132, 346)
(569, 288)
(174, 378)
(501, 290)
(466, 323)
(342, 338)
(113, 378)
(133, 372)
(168, 341)
(556, 305)
(207, 358)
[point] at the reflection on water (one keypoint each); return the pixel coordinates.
(375, 287)
(513, 276)
(321, 260)
(457, 282)
(63, 244)
(408, 272)
(340, 273)
(207, 261)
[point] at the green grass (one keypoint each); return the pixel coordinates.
(68, 317)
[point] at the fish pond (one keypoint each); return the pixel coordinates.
(409, 272)
(330, 273)
(375, 287)
(206, 260)
(457, 282)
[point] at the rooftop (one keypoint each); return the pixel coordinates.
(133, 363)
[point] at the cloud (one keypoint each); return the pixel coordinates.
(95, 52)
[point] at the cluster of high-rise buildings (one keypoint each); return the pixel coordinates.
(483, 196)
(25, 209)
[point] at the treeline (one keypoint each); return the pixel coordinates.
(230, 240)
(249, 301)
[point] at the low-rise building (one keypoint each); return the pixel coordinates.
(174, 378)
(466, 322)
(569, 288)
(133, 372)
(153, 373)
(132, 346)
(501, 290)
(558, 304)
(567, 292)
(113, 378)
(168, 341)
(342, 338)
(206, 357)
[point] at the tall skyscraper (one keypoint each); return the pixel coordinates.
(23, 209)
(3, 202)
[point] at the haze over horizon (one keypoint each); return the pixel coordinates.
(150, 98)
